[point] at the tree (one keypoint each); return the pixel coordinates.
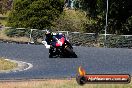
(5, 5)
(71, 20)
(37, 14)
(87, 5)
(94, 11)
(119, 16)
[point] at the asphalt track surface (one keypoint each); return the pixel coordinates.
(93, 60)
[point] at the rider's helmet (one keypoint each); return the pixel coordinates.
(48, 33)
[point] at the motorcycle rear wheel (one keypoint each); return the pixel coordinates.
(71, 52)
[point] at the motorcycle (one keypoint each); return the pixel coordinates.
(63, 49)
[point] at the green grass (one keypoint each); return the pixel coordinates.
(3, 22)
(6, 65)
(3, 36)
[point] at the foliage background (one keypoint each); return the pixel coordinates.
(38, 14)
(87, 15)
(119, 16)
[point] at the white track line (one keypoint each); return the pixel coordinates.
(22, 66)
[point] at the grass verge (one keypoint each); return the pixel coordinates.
(6, 65)
(58, 83)
(4, 37)
(17, 39)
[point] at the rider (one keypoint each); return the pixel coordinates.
(51, 41)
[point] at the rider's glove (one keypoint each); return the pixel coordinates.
(44, 42)
(47, 46)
